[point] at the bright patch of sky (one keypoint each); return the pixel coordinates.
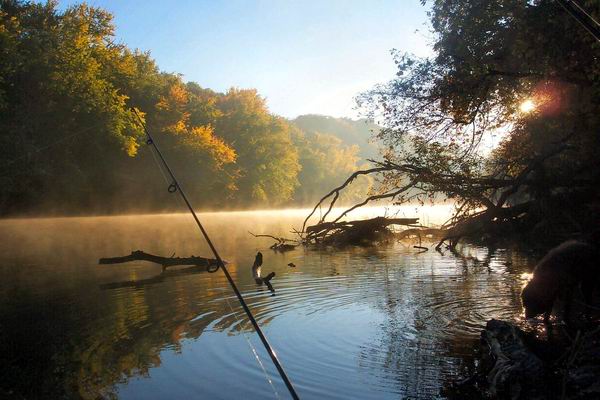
(304, 56)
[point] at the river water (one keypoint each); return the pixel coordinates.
(355, 323)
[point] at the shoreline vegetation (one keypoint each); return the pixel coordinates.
(71, 144)
(503, 120)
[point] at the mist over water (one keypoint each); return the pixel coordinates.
(384, 322)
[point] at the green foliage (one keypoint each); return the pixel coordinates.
(489, 58)
(69, 141)
(57, 89)
(326, 163)
(350, 132)
(268, 162)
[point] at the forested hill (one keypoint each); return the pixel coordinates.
(71, 144)
(351, 132)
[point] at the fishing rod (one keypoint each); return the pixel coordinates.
(176, 187)
(585, 19)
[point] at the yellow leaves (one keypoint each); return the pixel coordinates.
(258, 193)
(202, 137)
(175, 100)
(172, 109)
(179, 127)
(130, 146)
(244, 102)
(197, 140)
(178, 95)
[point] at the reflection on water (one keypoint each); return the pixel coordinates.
(353, 323)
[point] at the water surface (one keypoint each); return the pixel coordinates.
(385, 322)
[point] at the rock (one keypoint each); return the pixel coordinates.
(515, 372)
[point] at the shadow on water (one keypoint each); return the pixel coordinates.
(165, 274)
(355, 323)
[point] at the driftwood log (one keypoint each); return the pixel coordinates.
(353, 232)
(165, 262)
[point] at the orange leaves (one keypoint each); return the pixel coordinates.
(197, 140)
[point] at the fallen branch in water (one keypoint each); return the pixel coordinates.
(354, 232)
(279, 239)
(488, 204)
(420, 232)
(165, 262)
(283, 244)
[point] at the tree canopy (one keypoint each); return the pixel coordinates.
(70, 142)
(504, 118)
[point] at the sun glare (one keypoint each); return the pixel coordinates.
(527, 106)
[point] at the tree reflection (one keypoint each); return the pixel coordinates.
(449, 295)
(83, 348)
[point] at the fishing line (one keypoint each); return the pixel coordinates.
(234, 313)
(584, 18)
(167, 182)
(174, 186)
(253, 349)
(53, 144)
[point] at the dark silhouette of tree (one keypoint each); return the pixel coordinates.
(503, 119)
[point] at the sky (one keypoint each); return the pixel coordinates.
(305, 57)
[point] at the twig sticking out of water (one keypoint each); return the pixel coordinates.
(283, 244)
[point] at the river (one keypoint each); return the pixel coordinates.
(356, 323)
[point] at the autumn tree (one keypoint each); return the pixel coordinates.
(70, 141)
(267, 160)
(196, 152)
(55, 89)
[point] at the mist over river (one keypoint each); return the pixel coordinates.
(386, 322)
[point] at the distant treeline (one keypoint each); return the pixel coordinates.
(70, 143)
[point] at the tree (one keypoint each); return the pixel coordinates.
(195, 151)
(70, 142)
(440, 112)
(267, 160)
(55, 90)
(350, 132)
(325, 163)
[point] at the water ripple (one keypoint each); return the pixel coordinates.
(353, 323)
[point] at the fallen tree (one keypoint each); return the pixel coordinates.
(354, 232)
(491, 204)
(420, 233)
(165, 262)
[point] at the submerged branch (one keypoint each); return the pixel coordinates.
(279, 239)
(166, 262)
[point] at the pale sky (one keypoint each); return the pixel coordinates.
(303, 56)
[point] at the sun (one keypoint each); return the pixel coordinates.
(527, 106)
